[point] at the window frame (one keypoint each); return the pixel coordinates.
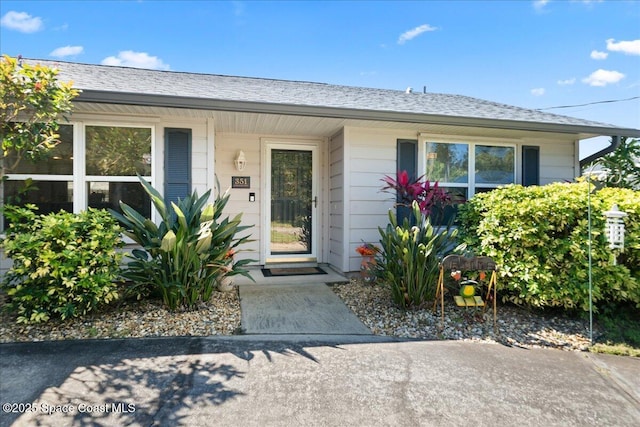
(80, 167)
(48, 177)
(472, 142)
(79, 179)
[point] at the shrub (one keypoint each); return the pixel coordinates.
(64, 264)
(187, 252)
(410, 256)
(539, 237)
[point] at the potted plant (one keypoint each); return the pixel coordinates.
(368, 252)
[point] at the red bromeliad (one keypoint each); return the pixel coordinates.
(407, 190)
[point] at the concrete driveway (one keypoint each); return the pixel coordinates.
(328, 381)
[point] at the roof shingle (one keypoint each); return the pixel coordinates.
(100, 78)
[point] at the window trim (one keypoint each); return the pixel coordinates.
(79, 178)
(82, 201)
(471, 143)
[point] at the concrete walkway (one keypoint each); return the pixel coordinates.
(310, 308)
(300, 381)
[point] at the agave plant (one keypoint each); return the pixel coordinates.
(187, 252)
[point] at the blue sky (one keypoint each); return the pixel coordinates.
(533, 54)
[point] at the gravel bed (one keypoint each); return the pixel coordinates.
(515, 326)
(371, 303)
(135, 319)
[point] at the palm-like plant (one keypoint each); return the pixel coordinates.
(623, 165)
(183, 256)
(408, 262)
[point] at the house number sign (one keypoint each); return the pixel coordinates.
(240, 182)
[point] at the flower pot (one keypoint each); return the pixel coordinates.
(225, 284)
(366, 267)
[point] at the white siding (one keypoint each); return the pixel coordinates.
(227, 147)
(557, 160)
(371, 155)
(336, 202)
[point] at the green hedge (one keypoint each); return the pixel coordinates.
(64, 264)
(539, 237)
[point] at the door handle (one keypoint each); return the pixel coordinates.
(315, 202)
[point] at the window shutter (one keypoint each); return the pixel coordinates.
(408, 156)
(407, 160)
(177, 171)
(530, 165)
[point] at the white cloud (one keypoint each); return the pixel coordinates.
(21, 21)
(567, 82)
(61, 52)
(603, 78)
(539, 4)
(631, 47)
(411, 34)
(597, 55)
(539, 91)
(129, 58)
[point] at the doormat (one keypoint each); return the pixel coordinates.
(297, 271)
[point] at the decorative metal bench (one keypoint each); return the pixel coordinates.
(457, 264)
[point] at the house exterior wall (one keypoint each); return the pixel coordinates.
(557, 159)
(370, 154)
(202, 154)
(227, 147)
(201, 147)
(352, 163)
(336, 201)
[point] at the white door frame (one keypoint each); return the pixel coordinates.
(265, 250)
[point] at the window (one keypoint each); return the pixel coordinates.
(115, 155)
(464, 169)
(470, 168)
(52, 188)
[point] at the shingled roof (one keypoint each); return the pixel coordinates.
(111, 84)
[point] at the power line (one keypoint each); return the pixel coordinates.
(589, 103)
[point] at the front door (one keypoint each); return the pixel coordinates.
(292, 200)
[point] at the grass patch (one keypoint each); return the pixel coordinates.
(621, 331)
(284, 237)
(615, 349)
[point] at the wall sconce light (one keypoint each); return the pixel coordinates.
(240, 161)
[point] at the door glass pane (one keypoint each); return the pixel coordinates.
(291, 179)
(495, 165)
(447, 162)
